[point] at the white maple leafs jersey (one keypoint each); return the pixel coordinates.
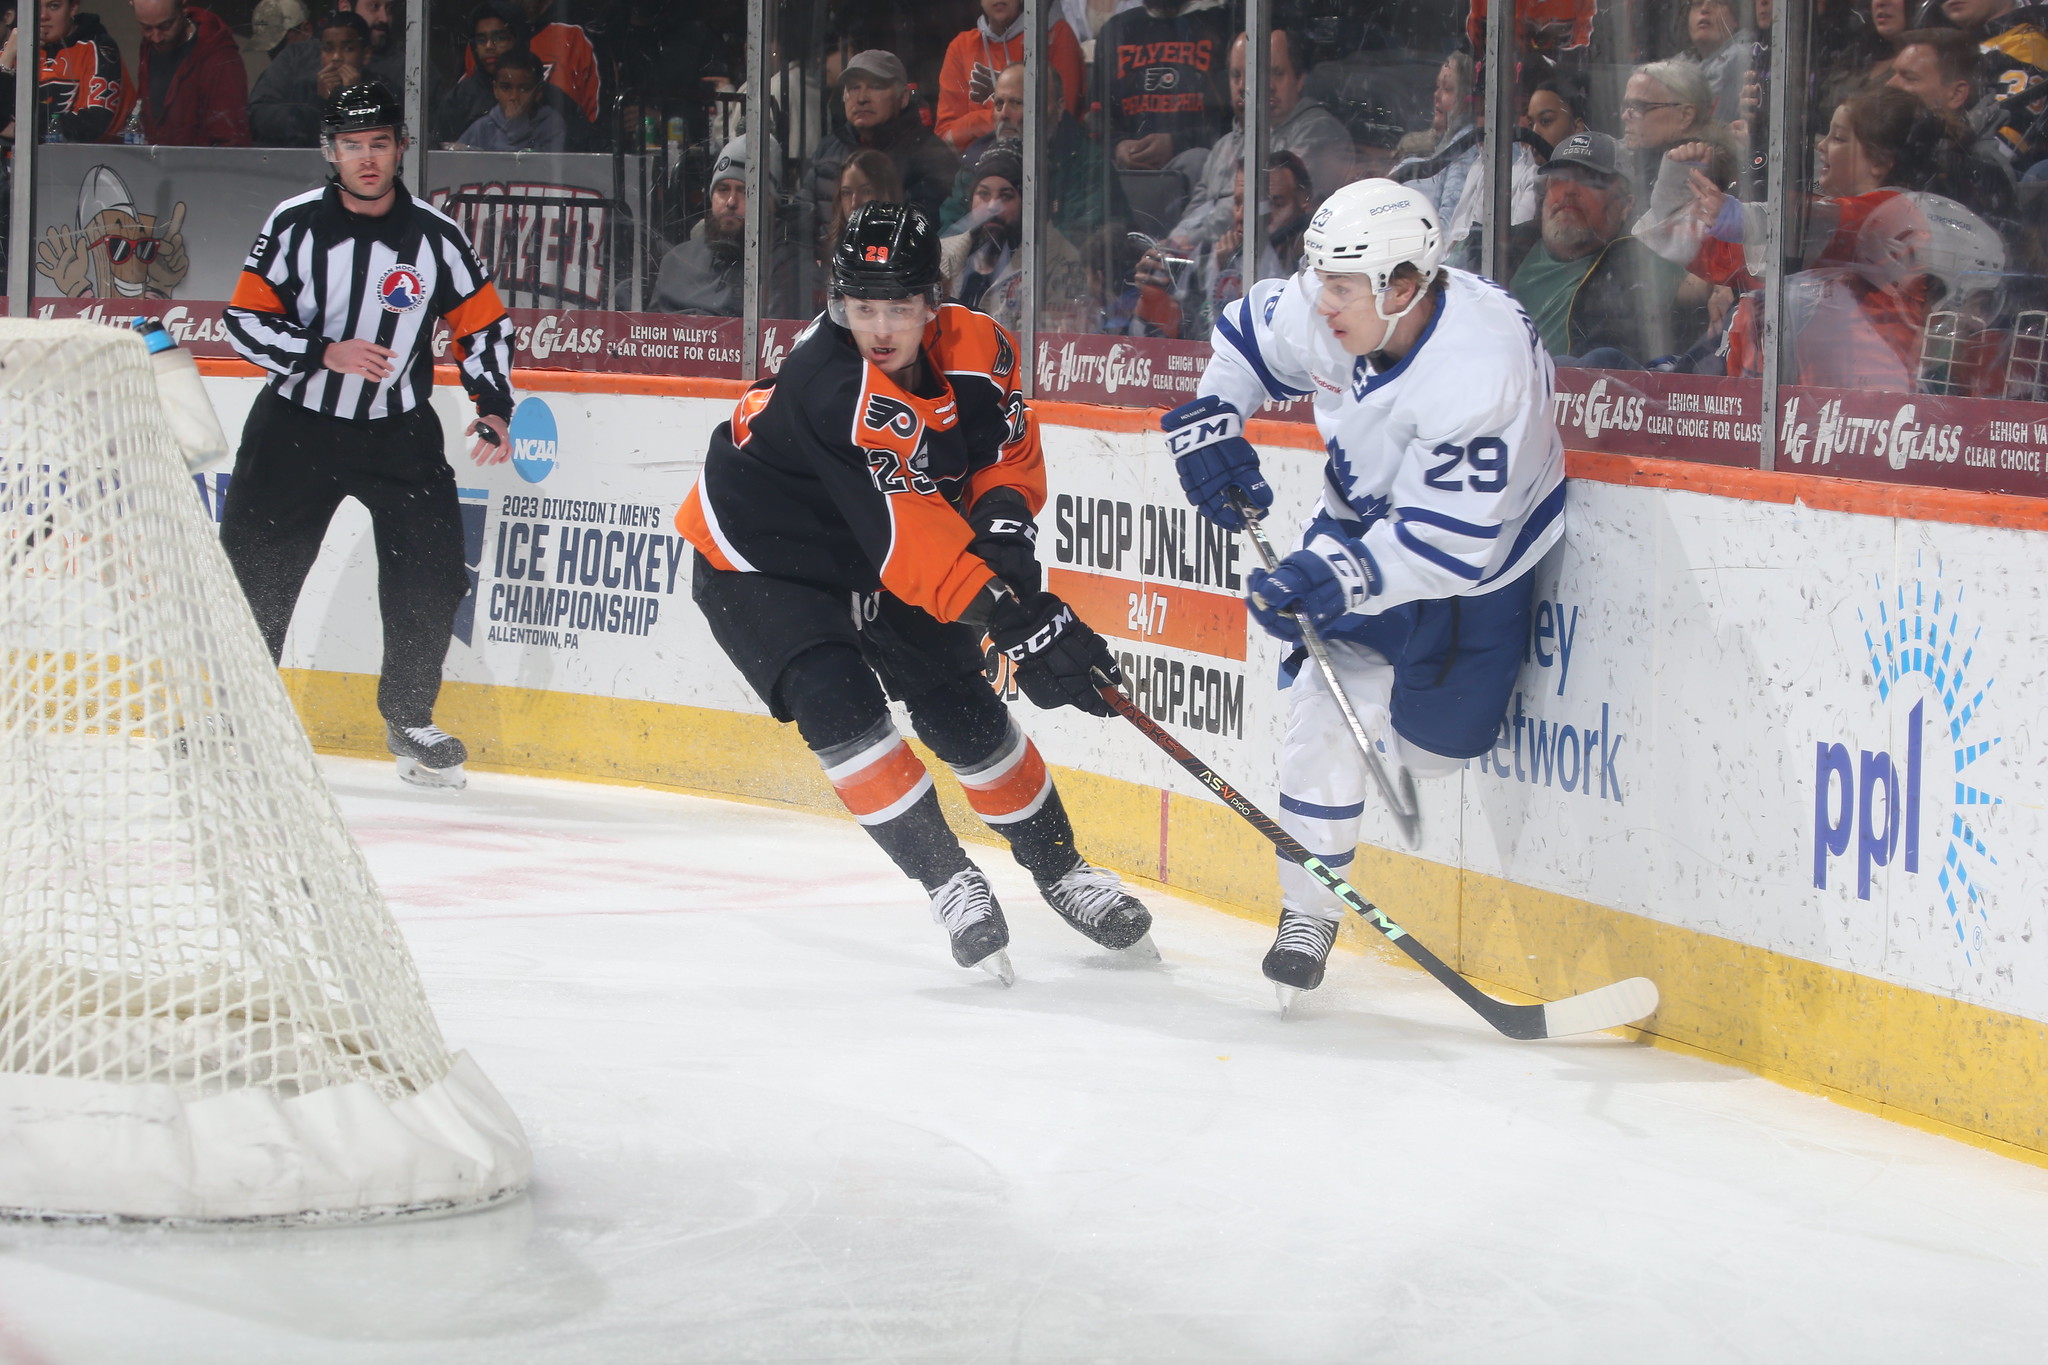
(1447, 465)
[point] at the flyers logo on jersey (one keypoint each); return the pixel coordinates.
(401, 289)
(884, 413)
(750, 405)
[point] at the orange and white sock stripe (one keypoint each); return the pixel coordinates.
(879, 778)
(1011, 785)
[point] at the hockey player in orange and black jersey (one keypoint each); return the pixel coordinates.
(861, 522)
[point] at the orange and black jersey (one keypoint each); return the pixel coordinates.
(83, 87)
(832, 474)
(320, 274)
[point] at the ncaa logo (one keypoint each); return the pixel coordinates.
(401, 289)
(534, 443)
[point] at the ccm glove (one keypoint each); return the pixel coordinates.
(1006, 539)
(1212, 456)
(1054, 653)
(1328, 579)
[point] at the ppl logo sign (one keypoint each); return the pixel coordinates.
(1875, 808)
(534, 443)
(401, 290)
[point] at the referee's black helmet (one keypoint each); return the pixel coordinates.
(360, 107)
(887, 251)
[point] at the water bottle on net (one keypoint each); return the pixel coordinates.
(187, 409)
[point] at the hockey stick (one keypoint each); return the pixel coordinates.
(1605, 1007)
(1401, 801)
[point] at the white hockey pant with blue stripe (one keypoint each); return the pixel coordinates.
(1324, 783)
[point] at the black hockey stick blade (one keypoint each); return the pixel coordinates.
(1607, 1007)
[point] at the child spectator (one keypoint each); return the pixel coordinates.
(520, 121)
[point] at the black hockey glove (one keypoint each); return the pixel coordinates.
(1055, 654)
(1006, 539)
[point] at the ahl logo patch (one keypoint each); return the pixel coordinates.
(401, 289)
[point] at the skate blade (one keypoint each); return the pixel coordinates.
(1286, 995)
(414, 773)
(1144, 950)
(997, 965)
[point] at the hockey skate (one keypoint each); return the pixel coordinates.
(966, 908)
(1095, 901)
(1295, 961)
(428, 756)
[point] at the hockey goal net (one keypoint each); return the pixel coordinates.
(206, 1010)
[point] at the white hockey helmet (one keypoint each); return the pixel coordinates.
(1916, 232)
(1370, 227)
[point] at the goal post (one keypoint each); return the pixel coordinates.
(206, 1009)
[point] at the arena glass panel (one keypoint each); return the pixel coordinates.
(588, 151)
(1915, 345)
(1118, 170)
(1624, 115)
(144, 206)
(865, 103)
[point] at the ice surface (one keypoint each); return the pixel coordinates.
(772, 1121)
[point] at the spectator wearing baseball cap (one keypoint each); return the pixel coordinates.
(874, 95)
(1597, 295)
(706, 275)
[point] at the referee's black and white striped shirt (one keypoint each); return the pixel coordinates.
(320, 274)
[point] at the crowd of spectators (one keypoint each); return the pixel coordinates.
(188, 78)
(1638, 199)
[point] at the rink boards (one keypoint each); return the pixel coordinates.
(1779, 758)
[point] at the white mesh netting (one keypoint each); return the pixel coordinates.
(184, 919)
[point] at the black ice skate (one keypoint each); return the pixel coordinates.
(1094, 901)
(967, 909)
(428, 756)
(1295, 961)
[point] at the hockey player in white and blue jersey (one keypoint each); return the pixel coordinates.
(1444, 487)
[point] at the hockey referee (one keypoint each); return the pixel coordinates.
(338, 300)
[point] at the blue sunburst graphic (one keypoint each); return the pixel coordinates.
(1916, 628)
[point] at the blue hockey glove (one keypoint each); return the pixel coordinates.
(1329, 579)
(1212, 456)
(1270, 620)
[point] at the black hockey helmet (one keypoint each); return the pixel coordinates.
(360, 107)
(887, 251)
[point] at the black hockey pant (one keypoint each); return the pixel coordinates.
(838, 704)
(291, 473)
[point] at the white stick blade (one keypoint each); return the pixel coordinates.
(1624, 1002)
